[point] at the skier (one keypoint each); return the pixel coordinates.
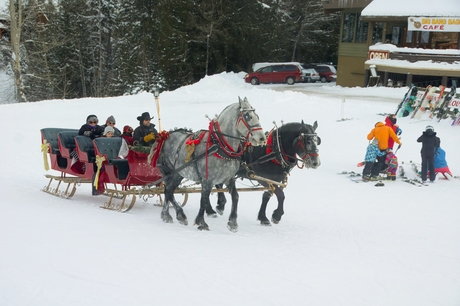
(382, 133)
(430, 144)
(440, 163)
(372, 151)
(390, 121)
(392, 162)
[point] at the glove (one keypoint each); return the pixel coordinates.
(88, 133)
(149, 137)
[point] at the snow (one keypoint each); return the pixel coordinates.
(339, 243)
(413, 8)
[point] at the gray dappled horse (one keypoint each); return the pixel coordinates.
(215, 159)
(275, 160)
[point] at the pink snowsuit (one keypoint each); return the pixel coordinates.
(392, 161)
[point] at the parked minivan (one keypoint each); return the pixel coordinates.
(284, 73)
(303, 71)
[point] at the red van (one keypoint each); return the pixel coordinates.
(289, 74)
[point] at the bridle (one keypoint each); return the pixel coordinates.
(217, 135)
(302, 141)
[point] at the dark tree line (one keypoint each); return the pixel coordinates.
(98, 48)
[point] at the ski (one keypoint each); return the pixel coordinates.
(441, 111)
(436, 102)
(405, 99)
(419, 103)
(407, 105)
(425, 104)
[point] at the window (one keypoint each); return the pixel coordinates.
(425, 37)
(378, 32)
(409, 36)
(348, 27)
(361, 31)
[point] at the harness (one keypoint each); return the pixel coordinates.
(216, 144)
(283, 159)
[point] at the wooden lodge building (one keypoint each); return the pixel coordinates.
(397, 42)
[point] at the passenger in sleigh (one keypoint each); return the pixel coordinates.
(90, 129)
(111, 122)
(145, 134)
(126, 141)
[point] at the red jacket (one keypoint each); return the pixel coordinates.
(394, 127)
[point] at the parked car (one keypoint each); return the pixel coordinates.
(310, 75)
(327, 73)
(289, 74)
(304, 72)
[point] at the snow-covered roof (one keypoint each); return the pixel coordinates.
(415, 8)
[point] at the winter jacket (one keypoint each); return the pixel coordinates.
(430, 143)
(95, 131)
(117, 132)
(142, 131)
(382, 133)
(395, 128)
(440, 159)
(372, 152)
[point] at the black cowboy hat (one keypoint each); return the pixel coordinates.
(144, 116)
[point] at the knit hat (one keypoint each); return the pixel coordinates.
(92, 118)
(127, 129)
(144, 116)
(111, 119)
(108, 129)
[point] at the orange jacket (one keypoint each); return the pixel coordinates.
(382, 133)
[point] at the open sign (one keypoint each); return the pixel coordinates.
(454, 103)
(378, 54)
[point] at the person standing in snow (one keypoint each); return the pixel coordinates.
(430, 144)
(392, 164)
(382, 133)
(372, 152)
(390, 121)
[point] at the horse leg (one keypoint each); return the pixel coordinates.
(206, 187)
(232, 224)
(170, 185)
(262, 217)
(209, 210)
(221, 200)
(279, 212)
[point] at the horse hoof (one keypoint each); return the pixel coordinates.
(265, 223)
(203, 228)
(213, 215)
(166, 217)
(232, 226)
(275, 221)
(182, 219)
(220, 211)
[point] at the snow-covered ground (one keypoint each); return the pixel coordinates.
(339, 243)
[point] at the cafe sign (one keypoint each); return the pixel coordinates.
(434, 24)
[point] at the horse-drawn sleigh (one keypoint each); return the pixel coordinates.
(214, 158)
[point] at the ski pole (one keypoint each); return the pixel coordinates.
(399, 146)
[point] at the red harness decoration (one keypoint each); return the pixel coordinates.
(214, 129)
(269, 149)
(195, 142)
(161, 137)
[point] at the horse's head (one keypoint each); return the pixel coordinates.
(248, 125)
(306, 145)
